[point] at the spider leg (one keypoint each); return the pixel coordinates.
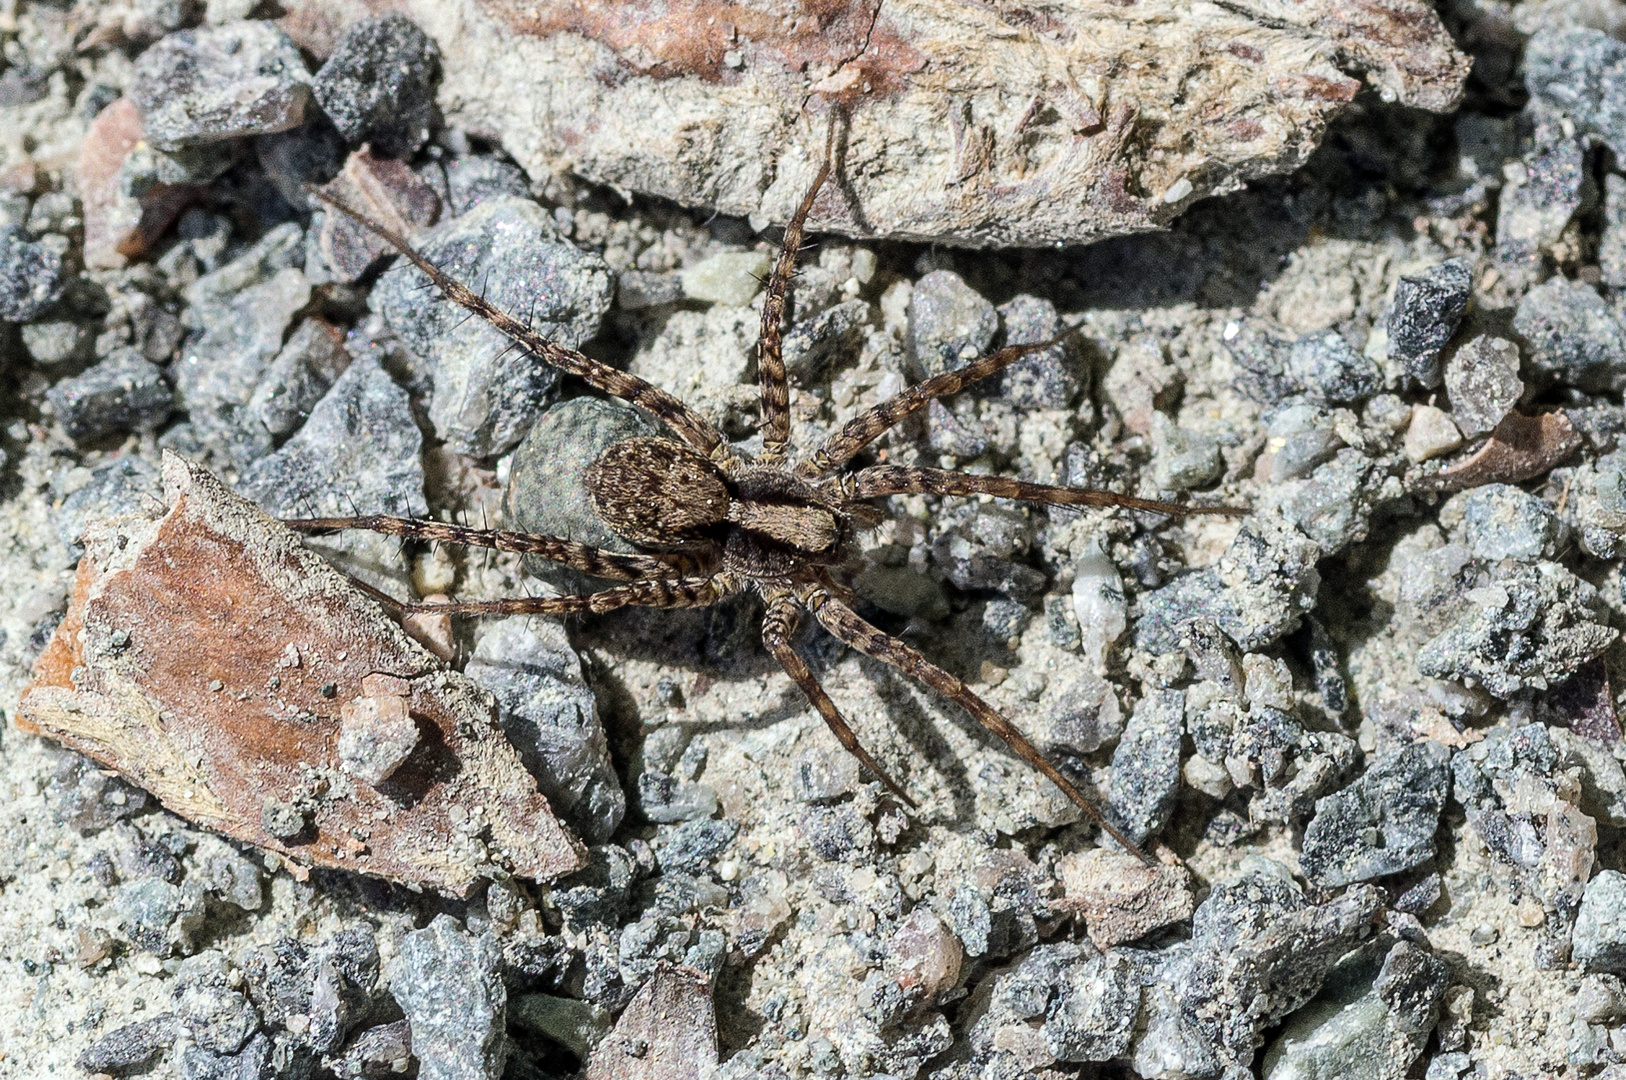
(866, 427)
(844, 623)
(694, 429)
(583, 557)
(770, 355)
(778, 625)
(899, 480)
(679, 593)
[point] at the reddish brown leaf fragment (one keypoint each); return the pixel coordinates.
(1520, 448)
(213, 660)
(385, 190)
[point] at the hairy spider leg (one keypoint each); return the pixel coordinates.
(779, 624)
(843, 622)
(866, 427)
(770, 352)
(900, 480)
(690, 425)
(583, 557)
(679, 593)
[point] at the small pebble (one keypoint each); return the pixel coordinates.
(30, 275)
(378, 85)
(1482, 378)
(1430, 434)
(1182, 459)
(213, 83)
(729, 278)
(950, 323)
(125, 392)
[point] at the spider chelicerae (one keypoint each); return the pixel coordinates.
(713, 522)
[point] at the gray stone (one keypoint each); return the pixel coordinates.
(636, 290)
(1599, 939)
(123, 485)
(1333, 505)
(378, 86)
(1482, 378)
(52, 343)
(302, 371)
(1527, 627)
(1042, 380)
(1258, 591)
(1298, 438)
(1424, 314)
(30, 275)
(547, 486)
(979, 551)
(692, 846)
(729, 279)
(950, 323)
(125, 392)
(158, 917)
(252, 1062)
(813, 344)
(1600, 505)
(283, 820)
(1500, 521)
(1325, 368)
(1093, 1017)
(220, 82)
(130, 1048)
(477, 178)
(376, 1051)
(1146, 765)
(230, 876)
(1574, 338)
(1368, 1024)
(1382, 824)
(824, 777)
(576, 1025)
(1581, 72)
(902, 590)
(551, 717)
(359, 453)
(346, 978)
(216, 1017)
(238, 315)
(485, 396)
(449, 984)
(598, 892)
(1612, 243)
(1532, 215)
(1182, 459)
(86, 799)
(666, 799)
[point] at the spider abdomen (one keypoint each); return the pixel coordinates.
(658, 493)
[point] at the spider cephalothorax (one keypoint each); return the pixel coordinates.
(712, 522)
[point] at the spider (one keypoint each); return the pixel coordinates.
(713, 522)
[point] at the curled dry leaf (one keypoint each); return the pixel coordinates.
(213, 660)
(971, 123)
(1520, 448)
(668, 1032)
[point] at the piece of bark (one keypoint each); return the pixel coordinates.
(668, 1032)
(1521, 447)
(212, 659)
(970, 123)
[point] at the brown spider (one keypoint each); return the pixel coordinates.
(715, 522)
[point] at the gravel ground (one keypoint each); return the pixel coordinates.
(1370, 728)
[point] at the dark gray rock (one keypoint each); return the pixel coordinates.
(1582, 73)
(158, 917)
(1527, 627)
(86, 799)
(125, 392)
(813, 344)
(636, 290)
(449, 984)
(1503, 760)
(473, 180)
(950, 323)
(1532, 215)
(378, 86)
(298, 376)
(837, 833)
(238, 315)
(1382, 824)
(667, 799)
(1094, 1015)
(1482, 378)
(1299, 437)
(1258, 591)
(822, 777)
(1424, 314)
(216, 1017)
(1259, 951)
(1043, 380)
(1146, 765)
(346, 978)
(130, 1048)
(1599, 939)
(1600, 505)
(694, 845)
(359, 453)
(547, 487)
(30, 275)
(978, 553)
(1333, 505)
(123, 485)
(486, 396)
(220, 82)
(1500, 521)
(1574, 338)
(597, 893)
(229, 876)
(1325, 368)
(375, 1051)
(252, 1062)
(551, 717)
